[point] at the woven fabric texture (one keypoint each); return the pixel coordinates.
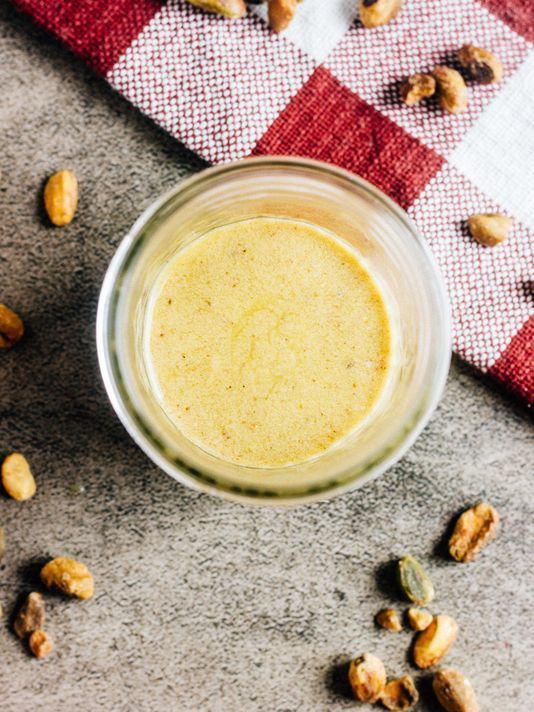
(328, 88)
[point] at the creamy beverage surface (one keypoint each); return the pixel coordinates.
(268, 341)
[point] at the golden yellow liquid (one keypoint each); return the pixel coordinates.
(269, 341)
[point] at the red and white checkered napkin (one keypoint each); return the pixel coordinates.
(327, 88)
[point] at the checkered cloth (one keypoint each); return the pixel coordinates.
(328, 88)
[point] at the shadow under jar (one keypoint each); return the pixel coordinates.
(382, 238)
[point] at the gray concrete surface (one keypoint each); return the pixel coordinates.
(203, 605)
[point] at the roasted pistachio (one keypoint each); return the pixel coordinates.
(489, 229)
(281, 12)
(367, 678)
(61, 197)
(417, 87)
(400, 695)
(31, 616)
(454, 691)
(228, 8)
(11, 327)
(451, 90)
(433, 643)
(415, 582)
(418, 619)
(481, 65)
(17, 477)
(389, 618)
(68, 576)
(374, 13)
(475, 528)
(40, 643)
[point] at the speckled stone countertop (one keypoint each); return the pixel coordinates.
(200, 604)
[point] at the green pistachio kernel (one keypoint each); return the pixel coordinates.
(415, 581)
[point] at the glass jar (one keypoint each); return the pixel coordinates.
(385, 240)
